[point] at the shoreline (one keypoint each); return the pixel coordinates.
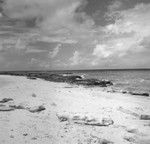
(73, 114)
(76, 79)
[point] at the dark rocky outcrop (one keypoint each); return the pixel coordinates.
(61, 77)
(94, 82)
(33, 78)
(139, 94)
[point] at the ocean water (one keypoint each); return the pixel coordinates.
(130, 80)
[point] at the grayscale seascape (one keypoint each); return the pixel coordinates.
(74, 71)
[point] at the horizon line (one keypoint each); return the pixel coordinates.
(113, 69)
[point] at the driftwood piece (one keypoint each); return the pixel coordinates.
(145, 117)
(126, 111)
(6, 108)
(37, 109)
(4, 100)
(17, 106)
(94, 122)
(139, 94)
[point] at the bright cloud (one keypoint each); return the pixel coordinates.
(102, 51)
(53, 54)
(52, 16)
(47, 32)
(76, 59)
(126, 34)
(132, 20)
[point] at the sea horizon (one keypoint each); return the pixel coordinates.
(120, 69)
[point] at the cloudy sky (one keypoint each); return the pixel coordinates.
(74, 34)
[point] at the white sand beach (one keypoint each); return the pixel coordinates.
(73, 114)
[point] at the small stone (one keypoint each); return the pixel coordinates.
(25, 134)
(34, 138)
(11, 136)
(37, 109)
(62, 118)
(53, 104)
(107, 121)
(132, 130)
(104, 141)
(145, 117)
(33, 95)
(129, 139)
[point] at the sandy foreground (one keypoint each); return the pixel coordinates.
(71, 114)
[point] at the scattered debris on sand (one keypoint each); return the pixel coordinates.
(53, 104)
(86, 121)
(130, 139)
(94, 122)
(17, 106)
(139, 94)
(4, 100)
(34, 95)
(11, 107)
(37, 109)
(104, 141)
(126, 111)
(6, 108)
(98, 140)
(145, 117)
(62, 118)
(132, 130)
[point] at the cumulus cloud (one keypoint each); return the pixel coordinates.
(76, 59)
(49, 15)
(56, 22)
(115, 5)
(35, 8)
(57, 39)
(126, 34)
(102, 51)
(127, 39)
(132, 20)
(53, 54)
(35, 51)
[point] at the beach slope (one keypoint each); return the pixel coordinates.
(43, 112)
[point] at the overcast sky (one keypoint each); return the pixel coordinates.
(74, 34)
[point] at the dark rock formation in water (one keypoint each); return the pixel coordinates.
(94, 82)
(61, 77)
